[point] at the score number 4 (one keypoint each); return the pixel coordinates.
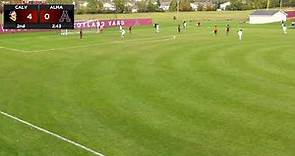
(30, 16)
(46, 16)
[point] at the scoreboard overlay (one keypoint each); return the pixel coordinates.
(39, 16)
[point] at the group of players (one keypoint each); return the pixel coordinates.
(184, 26)
(215, 30)
(227, 30)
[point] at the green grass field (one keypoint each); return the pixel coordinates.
(150, 95)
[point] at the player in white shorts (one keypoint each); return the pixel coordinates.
(282, 23)
(123, 33)
(184, 24)
(240, 33)
(157, 28)
(284, 29)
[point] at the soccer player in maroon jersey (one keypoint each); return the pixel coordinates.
(215, 30)
(130, 29)
(227, 29)
(81, 33)
(178, 28)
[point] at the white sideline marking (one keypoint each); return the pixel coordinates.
(53, 134)
(89, 45)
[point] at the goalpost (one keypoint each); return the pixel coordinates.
(89, 26)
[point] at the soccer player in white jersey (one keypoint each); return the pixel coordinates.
(240, 33)
(284, 29)
(184, 24)
(158, 28)
(123, 32)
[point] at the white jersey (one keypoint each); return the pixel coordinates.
(240, 33)
(158, 28)
(123, 32)
(120, 27)
(285, 29)
(184, 25)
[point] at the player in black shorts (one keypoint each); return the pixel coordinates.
(215, 30)
(227, 29)
(81, 33)
(178, 28)
(130, 29)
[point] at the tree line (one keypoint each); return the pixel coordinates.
(96, 6)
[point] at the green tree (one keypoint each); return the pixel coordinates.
(158, 3)
(259, 4)
(81, 10)
(60, 1)
(240, 5)
(184, 5)
(15, 1)
(120, 6)
(141, 6)
(94, 6)
(173, 5)
(150, 6)
(200, 7)
(289, 3)
(1, 8)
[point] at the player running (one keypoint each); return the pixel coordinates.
(100, 28)
(174, 18)
(215, 30)
(178, 28)
(81, 33)
(123, 32)
(227, 29)
(157, 28)
(130, 29)
(282, 23)
(240, 34)
(284, 27)
(184, 24)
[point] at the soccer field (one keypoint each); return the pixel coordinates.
(150, 94)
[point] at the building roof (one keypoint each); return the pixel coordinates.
(265, 12)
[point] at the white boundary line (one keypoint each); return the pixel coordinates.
(53, 134)
(154, 39)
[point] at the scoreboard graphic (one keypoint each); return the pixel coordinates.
(39, 16)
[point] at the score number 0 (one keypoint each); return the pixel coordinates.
(47, 16)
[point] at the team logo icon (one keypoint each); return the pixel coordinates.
(65, 17)
(12, 15)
